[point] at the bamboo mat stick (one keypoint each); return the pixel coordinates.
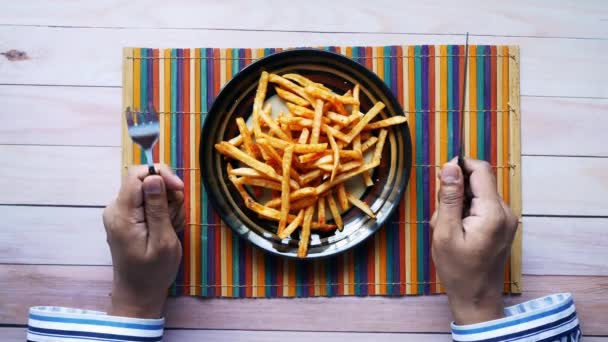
(127, 101)
(515, 159)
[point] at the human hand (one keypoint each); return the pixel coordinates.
(470, 253)
(141, 225)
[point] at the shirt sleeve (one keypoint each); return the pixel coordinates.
(50, 324)
(550, 318)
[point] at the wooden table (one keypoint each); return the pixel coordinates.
(60, 150)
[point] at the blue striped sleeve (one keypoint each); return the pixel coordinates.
(50, 324)
(550, 318)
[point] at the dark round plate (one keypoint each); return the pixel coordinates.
(340, 74)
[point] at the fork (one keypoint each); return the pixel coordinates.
(144, 129)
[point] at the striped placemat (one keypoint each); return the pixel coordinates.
(427, 80)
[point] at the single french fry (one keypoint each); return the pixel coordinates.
(285, 128)
(285, 190)
(291, 97)
(316, 122)
(339, 119)
(321, 210)
(258, 102)
(342, 168)
(300, 111)
(310, 176)
(303, 203)
(329, 96)
(356, 90)
(310, 157)
(246, 172)
(365, 120)
(395, 120)
(368, 144)
(305, 233)
(303, 139)
(261, 182)
(342, 199)
(293, 196)
(229, 150)
(236, 141)
(287, 84)
(298, 148)
(292, 226)
(335, 213)
(361, 205)
(336, 162)
(303, 81)
(379, 146)
(246, 136)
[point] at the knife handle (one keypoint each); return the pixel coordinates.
(468, 195)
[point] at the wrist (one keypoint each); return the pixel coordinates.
(475, 310)
(128, 302)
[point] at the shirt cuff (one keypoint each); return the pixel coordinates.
(50, 323)
(548, 318)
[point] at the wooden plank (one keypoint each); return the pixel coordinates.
(515, 159)
(565, 246)
(98, 60)
(23, 286)
(48, 235)
(68, 236)
(90, 116)
(60, 115)
(90, 176)
(562, 126)
(565, 186)
(571, 18)
(18, 335)
(59, 175)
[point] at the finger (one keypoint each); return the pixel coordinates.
(451, 192)
(481, 179)
(172, 181)
(512, 221)
(156, 207)
(130, 195)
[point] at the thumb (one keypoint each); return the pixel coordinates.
(156, 205)
(451, 195)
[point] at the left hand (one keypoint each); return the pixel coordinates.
(141, 227)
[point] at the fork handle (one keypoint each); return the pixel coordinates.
(150, 160)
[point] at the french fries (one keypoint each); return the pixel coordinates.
(307, 154)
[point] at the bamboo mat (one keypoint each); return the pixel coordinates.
(427, 80)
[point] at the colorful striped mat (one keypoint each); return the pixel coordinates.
(427, 80)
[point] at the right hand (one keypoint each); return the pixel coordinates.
(470, 252)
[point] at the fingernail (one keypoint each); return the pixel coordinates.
(152, 185)
(450, 174)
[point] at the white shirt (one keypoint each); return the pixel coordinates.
(551, 318)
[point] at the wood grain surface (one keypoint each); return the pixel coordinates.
(60, 155)
(514, 18)
(92, 56)
(22, 286)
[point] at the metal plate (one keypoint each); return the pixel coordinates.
(340, 74)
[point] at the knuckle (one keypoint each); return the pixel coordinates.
(450, 197)
(485, 166)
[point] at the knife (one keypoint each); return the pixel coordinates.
(467, 190)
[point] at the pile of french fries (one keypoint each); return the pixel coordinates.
(306, 154)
